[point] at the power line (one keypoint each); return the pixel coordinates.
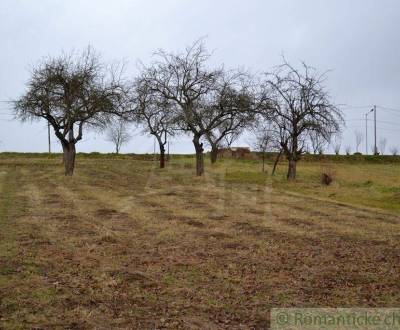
(388, 122)
(375, 121)
(378, 127)
(378, 121)
(346, 106)
(390, 109)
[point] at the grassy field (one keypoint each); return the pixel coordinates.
(125, 245)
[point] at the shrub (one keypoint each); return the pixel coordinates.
(326, 179)
(328, 175)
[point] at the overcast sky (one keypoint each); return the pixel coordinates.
(359, 40)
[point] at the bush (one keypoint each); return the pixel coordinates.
(328, 174)
(326, 179)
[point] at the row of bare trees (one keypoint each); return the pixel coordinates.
(319, 146)
(179, 93)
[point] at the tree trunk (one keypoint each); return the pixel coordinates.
(162, 156)
(276, 162)
(69, 158)
(291, 175)
(214, 154)
(199, 156)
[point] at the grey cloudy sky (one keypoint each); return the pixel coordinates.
(359, 40)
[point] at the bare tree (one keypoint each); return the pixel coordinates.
(337, 144)
(227, 110)
(263, 139)
(382, 145)
(394, 150)
(118, 133)
(71, 92)
(232, 136)
(155, 113)
(348, 150)
(298, 105)
(336, 148)
(359, 139)
(185, 80)
(318, 142)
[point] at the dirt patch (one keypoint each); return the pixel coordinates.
(106, 213)
(188, 221)
(234, 246)
(219, 235)
(63, 217)
(194, 223)
(138, 277)
(111, 214)
(212, 234)
(257, 212)
(251, 229)
(299, 222)
(171, 193)
(389, 220)
(107, 239)
(218, 217)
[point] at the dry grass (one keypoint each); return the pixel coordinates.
(125, 245)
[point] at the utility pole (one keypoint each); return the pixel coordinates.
(366, 131)
(375, 148)
(48, 137)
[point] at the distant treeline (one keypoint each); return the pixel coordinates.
(269, 156)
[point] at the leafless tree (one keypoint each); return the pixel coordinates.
(348, 150)
(155, 113)
(318, 142)
(337, 144)
(71, 92)
(359, 138)
(266, 139)
(227, 110)
(337, 149)
(231, 137)
(382, 145)
(298, 104)
(394, 150)
(118, 133)
(186, 81)
(263, 139)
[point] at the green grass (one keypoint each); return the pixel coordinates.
(369, 184)
(360, 180)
